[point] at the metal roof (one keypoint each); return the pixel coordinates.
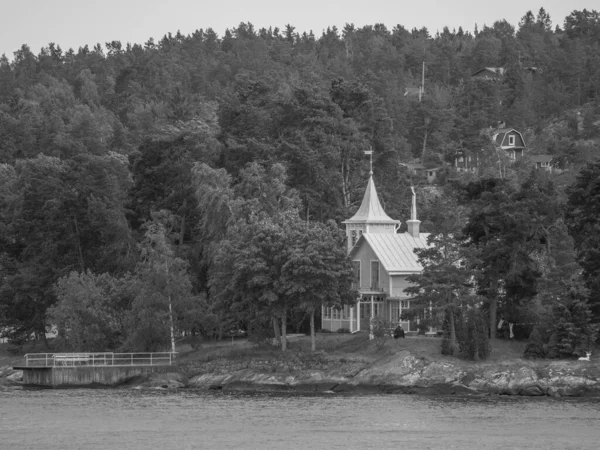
(370, 210)
(395, 251)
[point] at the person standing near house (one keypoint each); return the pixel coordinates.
(399, 332)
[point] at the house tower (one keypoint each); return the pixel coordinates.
(370, 217)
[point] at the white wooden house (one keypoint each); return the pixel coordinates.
(383, 259)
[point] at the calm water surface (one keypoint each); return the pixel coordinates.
(130, 419)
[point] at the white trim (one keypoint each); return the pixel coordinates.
(511, 140)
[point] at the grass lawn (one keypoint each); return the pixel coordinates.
(334, 345)
(343, 346)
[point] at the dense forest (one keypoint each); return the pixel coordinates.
(198, 183)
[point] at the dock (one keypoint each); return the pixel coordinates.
(91, 369)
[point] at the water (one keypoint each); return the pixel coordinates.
(131, 419)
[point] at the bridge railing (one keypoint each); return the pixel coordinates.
(98, 359)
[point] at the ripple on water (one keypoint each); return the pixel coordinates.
(72, 419)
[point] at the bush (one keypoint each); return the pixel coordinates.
(474, 337)
(575, 334)
(343, 330)
(535, 346)
(381, 331)
(551, 351)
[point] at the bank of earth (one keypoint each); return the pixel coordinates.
(351, 363)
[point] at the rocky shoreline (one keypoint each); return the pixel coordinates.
(401, 372)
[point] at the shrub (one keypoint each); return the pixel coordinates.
(343, 330)
(551, 351)
(535, 346)
(381, 331)
(575, 334)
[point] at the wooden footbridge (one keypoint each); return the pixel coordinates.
(86, 369)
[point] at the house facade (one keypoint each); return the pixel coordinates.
(542, 162)
(382, 259)
(511, 141)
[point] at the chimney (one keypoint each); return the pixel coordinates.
(413, 223)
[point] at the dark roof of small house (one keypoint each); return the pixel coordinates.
(413, 166)
(496, 70)
(541, 158)
(500, 135)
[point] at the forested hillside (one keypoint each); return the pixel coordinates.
(126, 169)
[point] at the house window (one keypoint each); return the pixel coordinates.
(511, 140)
(394, 311)
(375, 309)
(365, 310)
(327, 313)
(374, 275)
(353, 237)
(356, 268)
(404, 304)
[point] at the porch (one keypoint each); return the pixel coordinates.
(370, 305)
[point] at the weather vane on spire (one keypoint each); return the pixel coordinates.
(370, 153)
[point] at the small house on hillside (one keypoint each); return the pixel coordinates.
(544, 162)
(511, 141)
(432, 174)
(489, 74)
(414, 168)
(383, 259)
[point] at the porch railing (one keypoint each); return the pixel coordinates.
(98, 359)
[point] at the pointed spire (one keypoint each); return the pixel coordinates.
(370, 210)
(413, 210)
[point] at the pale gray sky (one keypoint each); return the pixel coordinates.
(74, 23)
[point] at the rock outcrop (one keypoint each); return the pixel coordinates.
(403, 372)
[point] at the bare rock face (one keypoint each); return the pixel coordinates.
(9, 375)
(403, 372)
(16, 376)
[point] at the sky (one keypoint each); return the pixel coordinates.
(75, 23)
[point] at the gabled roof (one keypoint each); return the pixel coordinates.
(495, 70)
(413, 166)
(541, 158)
(500, 134)
(370, 210)
(395, 251)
